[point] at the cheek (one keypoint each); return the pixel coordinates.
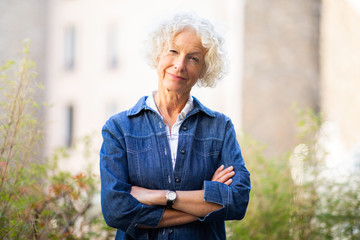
(161, 64)
(197, 72)
(160, 69)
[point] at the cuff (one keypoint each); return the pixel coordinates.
(216, 192)
(148, 216)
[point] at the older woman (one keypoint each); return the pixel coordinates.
(170, 167)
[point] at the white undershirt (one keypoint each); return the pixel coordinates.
(173, 135)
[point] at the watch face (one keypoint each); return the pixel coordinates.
(171, 196)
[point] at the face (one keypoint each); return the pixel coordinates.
(181, 63)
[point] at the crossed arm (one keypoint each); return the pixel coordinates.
(189, 205)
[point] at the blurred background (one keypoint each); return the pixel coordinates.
(90, 56)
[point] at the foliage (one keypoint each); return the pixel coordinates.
(270, 204)
(292, 197)
(37, 200)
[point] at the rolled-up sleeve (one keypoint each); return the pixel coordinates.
(120, 209)
(233, 198)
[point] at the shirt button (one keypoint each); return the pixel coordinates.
(185, 128)
(171, 231)
(177, 180)
(182, 151)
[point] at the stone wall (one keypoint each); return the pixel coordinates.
(281, 67)
(340, 83)
(20, 20)
(341, 69)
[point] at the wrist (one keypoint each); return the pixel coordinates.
(170, 198)
(158, 197)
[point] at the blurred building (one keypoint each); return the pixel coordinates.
(340, 82)
(91, 56)
(96, 62)
(281, 67)
(304, 52)
(22, 21)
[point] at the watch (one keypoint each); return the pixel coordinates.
(170, 197)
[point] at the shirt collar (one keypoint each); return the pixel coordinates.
(197, 107)
(150, 102)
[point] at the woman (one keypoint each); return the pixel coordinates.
(170, 167)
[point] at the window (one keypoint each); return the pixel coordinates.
(112, 43)
(69, 48)
(69, 126)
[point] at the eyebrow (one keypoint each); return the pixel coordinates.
(191, 53)
(195, 53)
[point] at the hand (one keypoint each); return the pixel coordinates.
(224, 175)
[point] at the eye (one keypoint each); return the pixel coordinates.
(195, 59)
(173, 51)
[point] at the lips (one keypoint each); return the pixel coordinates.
(176, 76)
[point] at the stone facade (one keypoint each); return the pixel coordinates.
(87, 90)
(21, 20)
(340, 82)
(281, 67)
(282, 52)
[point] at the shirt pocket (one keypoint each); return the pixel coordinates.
(206, 153)
(143, 162)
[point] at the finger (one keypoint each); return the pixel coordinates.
(215, 176)
(220, 176)
(229, 169)
(226, 177)
(228, 182)
(225, 171)
(219, 170)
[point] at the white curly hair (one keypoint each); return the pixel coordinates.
(215, 59)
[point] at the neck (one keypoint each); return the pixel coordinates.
(170, 104)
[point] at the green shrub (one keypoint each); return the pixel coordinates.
(37, 201)
(292, 197)
(270, 203)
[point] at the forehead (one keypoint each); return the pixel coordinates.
(188, 39)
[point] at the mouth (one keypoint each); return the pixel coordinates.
(176, 76)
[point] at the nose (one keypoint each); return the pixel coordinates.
(179, 63)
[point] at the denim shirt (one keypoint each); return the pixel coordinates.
(136, 152)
